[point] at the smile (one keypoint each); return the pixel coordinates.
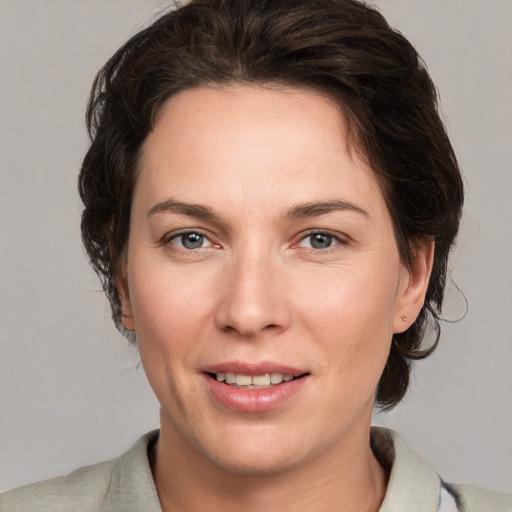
(253, 388)
(266, 380)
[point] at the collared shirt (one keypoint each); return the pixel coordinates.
(126, 484)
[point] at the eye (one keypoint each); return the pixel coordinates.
(190, 240)
(319, 240)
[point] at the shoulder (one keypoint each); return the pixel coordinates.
(83, 489)
(476, 499)
(124, 483)
(415, 485)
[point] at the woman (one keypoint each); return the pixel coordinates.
(270, 200)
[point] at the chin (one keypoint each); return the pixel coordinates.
(256, 454)
(265, 465)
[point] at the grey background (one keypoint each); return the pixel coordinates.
(70, 389)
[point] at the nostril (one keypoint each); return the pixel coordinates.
(245, 331)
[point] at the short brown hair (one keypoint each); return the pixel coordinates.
(342, 48)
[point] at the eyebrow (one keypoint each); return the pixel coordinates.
(316, 209)
(298, 211)
(191, 210)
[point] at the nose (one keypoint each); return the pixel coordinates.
(254, 300)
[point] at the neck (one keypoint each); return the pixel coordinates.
(346, 479)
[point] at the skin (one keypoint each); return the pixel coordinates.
(258, 289)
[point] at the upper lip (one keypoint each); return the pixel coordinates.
(254, 368)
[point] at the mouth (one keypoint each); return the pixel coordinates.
(254, 387)
(262, 381)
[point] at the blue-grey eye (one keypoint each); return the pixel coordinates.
(191, 240)
(321, 241)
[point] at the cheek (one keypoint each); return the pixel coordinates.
(351, 315)
(354, 300)
(166, 300)
(171, 312)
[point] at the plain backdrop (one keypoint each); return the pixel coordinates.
(71, 389)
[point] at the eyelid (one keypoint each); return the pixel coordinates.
(340, 238)
(166, 240)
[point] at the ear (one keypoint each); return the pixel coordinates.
(121, 284)
(413, 286)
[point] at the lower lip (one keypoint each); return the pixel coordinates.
(254, 400)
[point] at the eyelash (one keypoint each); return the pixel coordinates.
(168, 240)
(335, 237)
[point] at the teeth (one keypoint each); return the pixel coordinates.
(264, 381)
(261, 380)
(243, 380)
(277, 378)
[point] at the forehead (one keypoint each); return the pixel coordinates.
(251, 144)
(232, 116)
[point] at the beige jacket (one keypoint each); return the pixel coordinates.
(125, 484)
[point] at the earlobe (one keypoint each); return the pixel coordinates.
(412, 293)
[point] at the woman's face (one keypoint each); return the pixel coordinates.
(261, 251)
